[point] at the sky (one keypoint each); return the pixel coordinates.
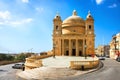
(27, 25)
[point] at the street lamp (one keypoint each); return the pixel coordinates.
(54, 50)
(85, 46)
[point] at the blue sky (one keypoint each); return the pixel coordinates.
(27, 24)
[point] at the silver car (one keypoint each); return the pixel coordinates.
(18, 66)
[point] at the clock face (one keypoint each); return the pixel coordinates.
(56, 32)
(90, 32)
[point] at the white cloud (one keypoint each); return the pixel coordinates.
(24, 21)
(28, 20)
(25, 1)
(39, 9)
(7, 19)
(5, 15)
(112, 6)
(16, 22)
(99, 1)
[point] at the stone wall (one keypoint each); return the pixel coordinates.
(84, 64)
(34, 61)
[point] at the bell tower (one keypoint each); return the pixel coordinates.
(57, 22)
(90, 36)
(57, 31)
(89, 24)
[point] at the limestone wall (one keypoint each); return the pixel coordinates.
(84, 64)
(34, 61)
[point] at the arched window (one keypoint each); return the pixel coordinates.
(56, 27)
(73, 43)
(90, 27)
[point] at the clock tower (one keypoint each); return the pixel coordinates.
(57, 25)
(57, 31)
(89, 24)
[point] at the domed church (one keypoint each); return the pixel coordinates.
(74, 36)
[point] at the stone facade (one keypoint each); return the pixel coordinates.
(73, 36)
(103, 50)
(115, 46)
(100, 50)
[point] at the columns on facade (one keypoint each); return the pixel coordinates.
(70, 48)
(62, 46)
(77, 48)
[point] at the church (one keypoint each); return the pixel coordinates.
(74, 36)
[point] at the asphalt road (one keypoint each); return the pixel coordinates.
(110, 71)
(7, 73)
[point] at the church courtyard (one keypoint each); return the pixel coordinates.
(55, 68)
(63, 61)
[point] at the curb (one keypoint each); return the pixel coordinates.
(98, 68)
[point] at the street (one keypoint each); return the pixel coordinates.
(110, 71)
(7, 73)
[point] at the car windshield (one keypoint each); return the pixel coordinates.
(18, 64)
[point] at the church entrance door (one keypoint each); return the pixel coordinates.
(80, 53)
(67, 53)
(73, 52)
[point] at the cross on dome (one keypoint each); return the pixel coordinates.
(89, 13)
(74, 13)
(57, 14)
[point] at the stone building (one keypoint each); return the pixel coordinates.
(73, 36)
(107, 50)
(115, 46)
(102, 50)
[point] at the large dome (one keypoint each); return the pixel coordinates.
(73, 20)
(73, 25)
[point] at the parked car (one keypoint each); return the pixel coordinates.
(118, 59)
(18, 66)
(107, 56)
(101, 58)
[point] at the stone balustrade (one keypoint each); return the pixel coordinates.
(83, 64)
(34, 61)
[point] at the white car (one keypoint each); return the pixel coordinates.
(101, 58)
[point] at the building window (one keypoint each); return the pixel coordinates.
(90, 27)
(56, 27)
(80, 43)
(67, 43)
(73, 43)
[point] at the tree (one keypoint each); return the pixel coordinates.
(21, 57)
(9, 57)
(6, 57)
(3, 57)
